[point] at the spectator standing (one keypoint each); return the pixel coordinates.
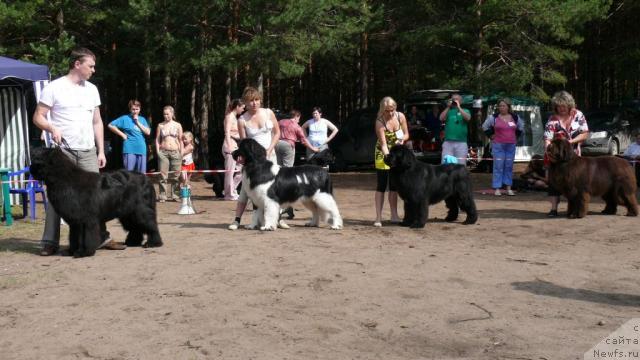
(503, 128)
(188, 165)
(132, 128)
(317, 128)
(169, 150)
(455, 120)
(233, 174)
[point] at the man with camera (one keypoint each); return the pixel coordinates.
(455, 129)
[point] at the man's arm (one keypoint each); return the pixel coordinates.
(334, 131)
(443, 114)
(303, 139)
(40, 120)
(98, 131)
(114, 129)
(466, 115)
(145, 129)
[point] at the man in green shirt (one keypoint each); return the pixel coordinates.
(455, 130)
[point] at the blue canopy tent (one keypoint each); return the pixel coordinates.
(16, 81)
(22, 71)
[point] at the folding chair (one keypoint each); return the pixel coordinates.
(27, 191)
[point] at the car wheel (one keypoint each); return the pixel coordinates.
(613, 147)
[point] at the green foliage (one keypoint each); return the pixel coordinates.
(316, 48)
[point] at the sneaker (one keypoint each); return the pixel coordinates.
(497, 193)
(110, 244)
(552, 214)
(510, 193)
(377, 224)
(234, 226)
(48, 250)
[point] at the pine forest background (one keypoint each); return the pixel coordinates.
(341, 55)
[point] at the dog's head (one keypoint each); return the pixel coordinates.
(46, 161)
(400, 157)
(249, 151)
(322, 158)
(560, 151)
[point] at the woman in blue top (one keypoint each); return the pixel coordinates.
(317, 132)
(132, 128)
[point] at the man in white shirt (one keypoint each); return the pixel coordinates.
(73, 104)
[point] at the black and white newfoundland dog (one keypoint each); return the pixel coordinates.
(269, 186)
(421, 185)
(86, 200)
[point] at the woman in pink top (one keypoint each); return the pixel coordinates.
(503, 128)
(232, 175)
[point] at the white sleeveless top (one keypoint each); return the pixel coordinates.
(262, 135)
(318, 132)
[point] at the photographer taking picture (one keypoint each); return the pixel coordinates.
(455, 120)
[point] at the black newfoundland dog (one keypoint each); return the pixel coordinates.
(421, 185)
(580, 178)
(85, 200)
(269, 186)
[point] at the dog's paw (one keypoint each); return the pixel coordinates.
(267, 228)
(336, 227)
(311, 224)
(251, 227)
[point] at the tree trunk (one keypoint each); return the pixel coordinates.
(364, 71)
(205, 102)
(195, 82)
(147, 91)
(478, 51)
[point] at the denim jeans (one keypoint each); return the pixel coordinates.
(503, 156)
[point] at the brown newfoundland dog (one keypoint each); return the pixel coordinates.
(580, 178)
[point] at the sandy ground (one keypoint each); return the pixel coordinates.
(514, 286)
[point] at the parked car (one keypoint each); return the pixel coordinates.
(609, 131)
(427, 144)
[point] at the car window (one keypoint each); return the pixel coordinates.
(601, 119)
